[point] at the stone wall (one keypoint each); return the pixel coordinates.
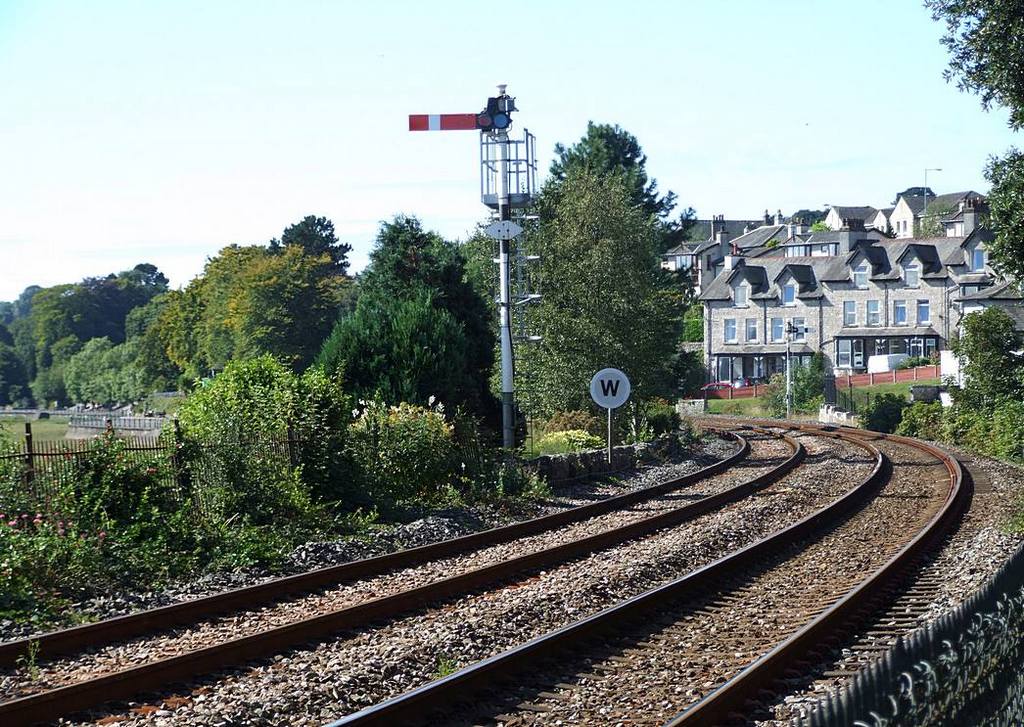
(561, 468)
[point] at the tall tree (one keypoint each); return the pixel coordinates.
(987, 349)
(985, 39)
(315, 236)
(606, 301)
(412, 264)
(611, 150)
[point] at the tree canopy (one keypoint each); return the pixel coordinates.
(608, 149)
(606, 301)
(985, 39)
(419, 329)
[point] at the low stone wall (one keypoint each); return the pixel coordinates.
(561, 468)
(691, 407)
(828, 414)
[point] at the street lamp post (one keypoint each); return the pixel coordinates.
(927, 169)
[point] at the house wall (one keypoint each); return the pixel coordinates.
(833, 220)
(902, 216)
(825, 315)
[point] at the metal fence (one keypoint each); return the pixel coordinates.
(966, 668)
(101, 423)
(34, 473)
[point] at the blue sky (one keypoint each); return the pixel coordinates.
(160, 131)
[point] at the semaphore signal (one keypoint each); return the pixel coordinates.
(508, 171)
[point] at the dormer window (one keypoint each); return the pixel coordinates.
(740, 296)
(860, 276)
(912, 274)
(789, 294)
(978, 260)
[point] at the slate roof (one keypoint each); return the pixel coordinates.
(952, 199)
(761, 236)
(858, 213)
(1000, 291)
(763, 274)
(700, 230)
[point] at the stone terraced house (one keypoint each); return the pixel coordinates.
(858, 293)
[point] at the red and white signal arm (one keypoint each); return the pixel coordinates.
(442, 122)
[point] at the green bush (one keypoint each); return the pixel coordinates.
(914, 361)
(1007, 432)
(883, 413)
(808, 387)
(565, 421)
(404, 452)
(926, 421)
(568, 441)
(661, 416)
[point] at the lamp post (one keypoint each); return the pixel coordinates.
(927, 169)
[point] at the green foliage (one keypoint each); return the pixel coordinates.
(606, 300)
(913, 362)
(314, 236)
(405, 452)
(253, 402)
(103, 373)
(883, 412)
(1006, 175)
(563, 421)
(661, 416)
(985, 39)
(820, 226)
(922, 420)
(808, 388)
(402, 350)
(693, 324)
(986, 348)
(14, 384)
(609, 151)
(573, 440)
(931, 226)
(420, 327)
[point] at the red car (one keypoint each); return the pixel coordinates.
(716, 386)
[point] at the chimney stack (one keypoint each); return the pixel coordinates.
(767, 217)
(970, 208)
(778, 217)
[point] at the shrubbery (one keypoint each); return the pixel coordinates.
(564, 421)
(573, 440)
(808, 388)
(883, 413)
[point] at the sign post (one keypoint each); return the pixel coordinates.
(610, 389)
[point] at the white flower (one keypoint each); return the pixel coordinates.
(431, 400)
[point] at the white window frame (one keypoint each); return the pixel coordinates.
(844, 358)
(781, 330)
(789, 288)
(873, 313)
(916, 268)
(860, 276)
(750, 325)
(849, 313)
(741, 295)
(896, 306)
(975, 265)
(800, 335)
(928, 310)
(725, 330)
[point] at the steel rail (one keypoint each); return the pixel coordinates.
(155, 675)
(725, 703)
(413, 706)
(76, 638)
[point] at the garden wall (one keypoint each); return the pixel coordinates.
(560, 468)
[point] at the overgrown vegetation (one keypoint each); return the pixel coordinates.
(808, 387)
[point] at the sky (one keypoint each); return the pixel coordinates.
(160, 131)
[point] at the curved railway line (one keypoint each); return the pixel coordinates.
(559, 537)
(711, 625)
(632, 662)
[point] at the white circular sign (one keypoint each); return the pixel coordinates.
(609, 388)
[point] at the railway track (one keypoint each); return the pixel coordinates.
(69, 686)
(748, 620)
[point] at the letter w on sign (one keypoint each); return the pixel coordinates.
(609, 387)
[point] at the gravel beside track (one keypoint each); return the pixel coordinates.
(975, 550)
(380, 540)
(13, 683)
(309, 686)
(657, 670)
